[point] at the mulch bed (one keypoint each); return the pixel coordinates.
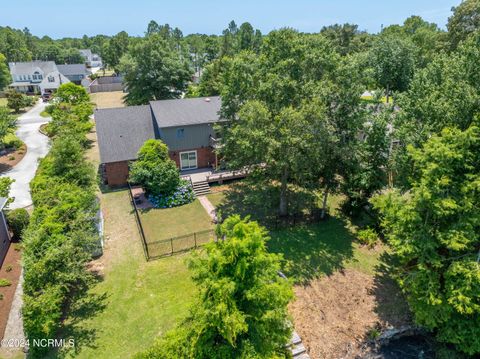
(334, 315)
(12, 259)
(12, 157)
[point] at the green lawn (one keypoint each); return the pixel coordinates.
(136, 301)
(216, 198)
(159, 224)
(318, 249)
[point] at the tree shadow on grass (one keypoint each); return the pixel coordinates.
(310, 251)
(391, 304)
(84, 307)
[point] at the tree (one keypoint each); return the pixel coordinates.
(16, 100)
(434, 231)
(154, 169)
(371, 165)
(464, 21)
(8, 123)
(72, 94)
(114, 49)
(241, 308)
(154, 70)
(393, 63)
(5, 77)
(267, 100)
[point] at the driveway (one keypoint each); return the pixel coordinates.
(37, 147)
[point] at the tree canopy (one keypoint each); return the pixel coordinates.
(241, 307)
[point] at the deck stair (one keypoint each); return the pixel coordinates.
(201, 188)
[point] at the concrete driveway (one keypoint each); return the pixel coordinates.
(37, 147)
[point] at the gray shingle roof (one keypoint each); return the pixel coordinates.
(122, 131)
(188, 111)
(72, 69)
(27, 68)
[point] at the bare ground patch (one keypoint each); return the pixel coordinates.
(335, 314)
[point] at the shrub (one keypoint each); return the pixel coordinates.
(183, 195)
(154, 170)
(17, 220)
(367, 237)
(5, 282)
(1, 296)
(8, 268)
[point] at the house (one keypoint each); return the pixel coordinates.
(74, 72)
(36, 77)
(4, 232)
(91, 59)
(186, 126)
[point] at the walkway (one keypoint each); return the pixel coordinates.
(208, 206)
(37, 147)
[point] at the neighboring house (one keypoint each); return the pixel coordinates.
(4, 232)
(74, 72)
(36, 77)
(91, 59)
(186, 126)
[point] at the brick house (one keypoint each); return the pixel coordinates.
(186, 126)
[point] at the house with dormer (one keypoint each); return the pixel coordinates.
(36, 77)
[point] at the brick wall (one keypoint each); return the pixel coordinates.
(116, 173)
(205, 157)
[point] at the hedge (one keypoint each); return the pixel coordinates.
(61, 236)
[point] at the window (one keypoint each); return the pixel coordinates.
(40, 77)
(34, 76)
(51, 79)
(180, 133)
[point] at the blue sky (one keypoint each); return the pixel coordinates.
(58, 18)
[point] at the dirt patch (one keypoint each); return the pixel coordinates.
(108, 99)
(12, 157)
(10, 270)
(335, 315)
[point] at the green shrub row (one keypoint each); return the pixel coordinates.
(62, 235)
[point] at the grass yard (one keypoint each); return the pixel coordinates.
(159, 224)
(135, 301)
(108, 99)
(313, 250)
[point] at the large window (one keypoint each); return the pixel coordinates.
(188, 160)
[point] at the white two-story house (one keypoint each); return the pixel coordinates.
(36, 77)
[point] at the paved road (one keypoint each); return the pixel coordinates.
(37, 147)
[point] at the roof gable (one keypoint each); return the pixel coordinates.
(188, 111)
(122, 131)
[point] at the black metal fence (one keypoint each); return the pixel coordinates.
(169, 246)
(179, 244)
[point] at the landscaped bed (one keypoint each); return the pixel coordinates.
(9, 273)
(13, 153)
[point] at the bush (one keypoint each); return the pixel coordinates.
(154, 170)
(183, 195)
(8, 268)
(5, 282)
(17, 220)
(367, 237)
